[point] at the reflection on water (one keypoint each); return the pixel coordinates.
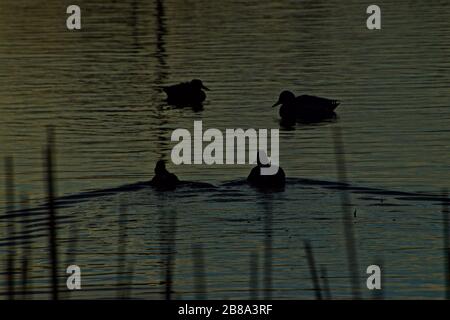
(101, 90)
(151, 249)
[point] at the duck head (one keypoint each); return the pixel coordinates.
(160, 167)
(198, 85)
(286, 97)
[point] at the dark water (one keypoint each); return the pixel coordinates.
(99, 88)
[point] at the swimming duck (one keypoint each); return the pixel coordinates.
(163, 179)
(256, 179)
(186, 93)
(305, 108)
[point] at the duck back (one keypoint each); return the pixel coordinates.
(275, 181)
(184, 94)
(165, 181)
(306, 101)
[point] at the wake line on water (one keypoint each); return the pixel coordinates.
(68, 200)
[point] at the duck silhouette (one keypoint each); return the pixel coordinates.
(305, 108)
(256, 179)
(163, 179)
(186, 94)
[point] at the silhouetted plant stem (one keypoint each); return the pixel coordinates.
(122, 248)
(52, 213)
(313, 270)
(26, 249)
(168, 226)
(268, 252)
(445, 218)
(326, 286)
(170, 255)
(347, 214)
(254, 276)
(199, 272)
(10, 200)
(129, 287)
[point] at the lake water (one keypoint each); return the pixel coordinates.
(100, 89)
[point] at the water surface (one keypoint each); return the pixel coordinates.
(100, 89)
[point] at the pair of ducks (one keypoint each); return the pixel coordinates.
(303, 108)
(167, 181)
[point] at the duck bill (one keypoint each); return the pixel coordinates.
(276, 104)
(205, 88)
